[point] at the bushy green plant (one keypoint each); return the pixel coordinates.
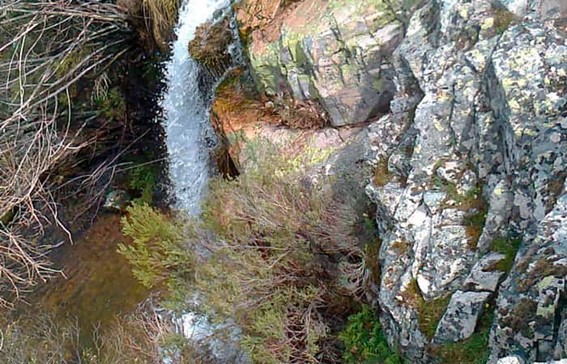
(365, 342)
(157, 253)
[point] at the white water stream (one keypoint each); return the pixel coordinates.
(187, 110)
(188, 138)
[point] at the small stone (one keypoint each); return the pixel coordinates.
(459, 321)
(117, 200)
(482, 277)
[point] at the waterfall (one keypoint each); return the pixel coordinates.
(189, 137)
(186, 110)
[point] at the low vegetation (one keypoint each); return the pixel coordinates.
(382, 175)
(273, 252)
(143, 180)
(365, 342)
(141, 338)
(158, 255)
(429, 312)
(508, 247)
(279, 260)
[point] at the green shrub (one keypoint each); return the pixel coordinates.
(143, 179)
(157, 253)
(365, 342)
(281, 250)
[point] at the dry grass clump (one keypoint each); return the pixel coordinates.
(161, 16)
(143, 337)
(281, 262)
(48, 52)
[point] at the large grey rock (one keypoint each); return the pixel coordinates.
(460, 319)
(529, 314)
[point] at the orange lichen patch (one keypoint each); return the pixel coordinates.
(305, 14)
(237, 111)
(261, 20)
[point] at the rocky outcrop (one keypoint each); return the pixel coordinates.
(335, 52)
(470, 160)
(461, 316)
(475, 185)
(211, 46)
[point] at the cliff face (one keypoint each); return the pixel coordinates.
(335, 52)
(470, 156)
(485, 177)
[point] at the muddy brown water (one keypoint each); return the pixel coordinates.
(97, 285)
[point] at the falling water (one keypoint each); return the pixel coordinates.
(189, 137)
(186, 107)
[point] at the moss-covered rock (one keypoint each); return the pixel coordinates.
(335, 52)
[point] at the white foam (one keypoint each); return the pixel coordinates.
(186, 111)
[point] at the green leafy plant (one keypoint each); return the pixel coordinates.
(143, 179)
(364, 340)
(157, 253)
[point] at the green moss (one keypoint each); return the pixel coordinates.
(265, 67)
(503, 18)
(472, 202)
(371, 259)
(382, 175)
(474, 225)
(365, 342)
(143, 179)
(429, 312)
(111, 104)
(507, 246)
